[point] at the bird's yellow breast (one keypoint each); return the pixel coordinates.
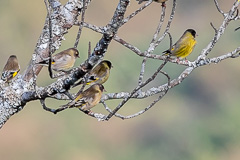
(185, 48)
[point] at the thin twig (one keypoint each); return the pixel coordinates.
(236, 16)
(89, 49)
(136, 12)
(154, 45)
(170, 40)
(142, 111)
(128, 45)
(214, 28)
(148, 55)
(218, 8)
(159, 25)
(152, 91)
(45, 107)
(72, 102)
(91, 26)
(81, 24)
(220, 31)
(145, 109)
(99, 116)
(140, 80)
(136, 89)
(50, 39)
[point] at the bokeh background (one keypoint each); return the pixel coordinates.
(197, 120)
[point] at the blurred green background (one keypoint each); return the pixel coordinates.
(197, 120)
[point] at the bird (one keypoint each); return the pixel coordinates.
(88, 98)
(98, 74)
(10, 69)
(184, 46)
(159, 1)
(62, 61)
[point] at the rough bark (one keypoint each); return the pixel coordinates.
(23, 89)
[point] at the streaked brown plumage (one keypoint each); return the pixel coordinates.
(159, 1)
(63, 61)
(10, 69)
(98, 74)
(89, 98)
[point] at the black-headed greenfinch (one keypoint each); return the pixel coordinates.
(184, 46)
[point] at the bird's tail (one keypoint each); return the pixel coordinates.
(166, 53)
(45, 62)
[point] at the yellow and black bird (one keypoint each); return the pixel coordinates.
(98, 74)
(88, 98)
(11, 69)
(159, 1)
(62, 61)
(184, 46)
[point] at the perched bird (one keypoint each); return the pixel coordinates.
(159, 1)
(184, 46)
(99, 74)
(62, 61)
(88, 98)
(10, 69)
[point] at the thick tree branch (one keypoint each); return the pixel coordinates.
(23, 89)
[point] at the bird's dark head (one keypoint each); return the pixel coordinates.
(75, 52)
(13, 56)
(192, 31)
(108, 63)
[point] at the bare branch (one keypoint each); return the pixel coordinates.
(215, 29)
(219, 9)
(50, 39)
(147, 108)
(140, 80)
(92, 27)
(152, 91)
(129, 46)
(170, 40)
(148, 55)
(89, 49)
(66, 17)
(45, 107)
(159, 25)
(135, 90)
(60, 18)
(154, 45)
(219, 32)
(136, 12)
(80, 26)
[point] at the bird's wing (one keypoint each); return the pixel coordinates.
(9, 74)
(62, 62)
(97, 73)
